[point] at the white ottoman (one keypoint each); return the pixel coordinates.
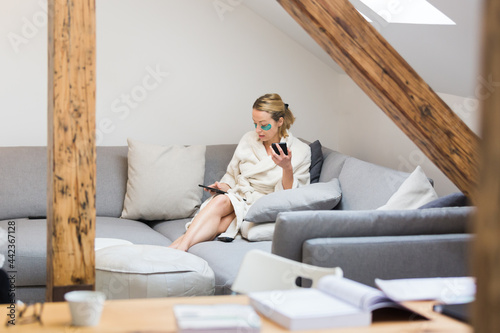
(100, 243)
(146, 271)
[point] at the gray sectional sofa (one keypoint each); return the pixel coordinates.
(364, 242)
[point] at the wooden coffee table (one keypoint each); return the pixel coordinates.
(156, 316)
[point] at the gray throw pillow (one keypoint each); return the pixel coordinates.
(319, 196)
(457, 199)
(316, 161)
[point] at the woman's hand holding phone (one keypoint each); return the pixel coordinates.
(216, 188)
(221, 186)
(284, 158)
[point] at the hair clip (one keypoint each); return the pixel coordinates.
(286, 106)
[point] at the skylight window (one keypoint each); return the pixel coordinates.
(408, 12)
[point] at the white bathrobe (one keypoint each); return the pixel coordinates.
(251, 174)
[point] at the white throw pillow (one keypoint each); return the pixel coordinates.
(163, 181)
(415, 191)
(257, 232)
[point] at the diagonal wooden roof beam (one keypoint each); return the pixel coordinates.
(393, 85)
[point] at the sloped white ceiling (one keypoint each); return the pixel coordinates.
(446, 56)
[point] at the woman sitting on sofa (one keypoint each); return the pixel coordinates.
(254, 171)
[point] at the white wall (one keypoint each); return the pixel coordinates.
(370, 135)
(211, 63)
(217, 62)
(23, 72)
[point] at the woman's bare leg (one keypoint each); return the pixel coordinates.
(214, 217)
(176, 243)
(225, 222)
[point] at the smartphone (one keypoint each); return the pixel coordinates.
(283, 147)
(216, 190)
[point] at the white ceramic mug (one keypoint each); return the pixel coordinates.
(85, 306)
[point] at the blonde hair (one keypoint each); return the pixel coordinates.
(274, 105)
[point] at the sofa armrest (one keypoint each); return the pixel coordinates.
(294, 228)
(364, 259)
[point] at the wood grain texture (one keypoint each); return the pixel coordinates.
(486, 255)
(155, 315)
(393, 85)
(71, 146)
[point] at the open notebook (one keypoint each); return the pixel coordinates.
(336, 302)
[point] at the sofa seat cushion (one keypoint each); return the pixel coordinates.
(225, 259)
(31, 251)
(147, 271)
(130, 230)
(31, 243)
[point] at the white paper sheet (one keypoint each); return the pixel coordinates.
(445, 290)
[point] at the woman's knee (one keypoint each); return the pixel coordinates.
(221, 202)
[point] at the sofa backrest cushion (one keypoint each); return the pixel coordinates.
(333, 162)
(111, 179)
(23, 178)
(23, 182)
(112, 173)
(216, 161)
(367, 186)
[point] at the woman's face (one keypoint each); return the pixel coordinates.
(266, 127)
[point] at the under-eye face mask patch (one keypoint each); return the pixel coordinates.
(265, 128)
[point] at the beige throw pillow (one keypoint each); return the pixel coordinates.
(163, 181)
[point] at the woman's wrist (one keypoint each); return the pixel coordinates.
(287, 179)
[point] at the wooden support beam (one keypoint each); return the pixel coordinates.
(393, 85)
(486, 253)
(71, 147)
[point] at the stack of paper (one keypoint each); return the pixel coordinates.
(445, 290)
(300, 309)
(216, 318)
